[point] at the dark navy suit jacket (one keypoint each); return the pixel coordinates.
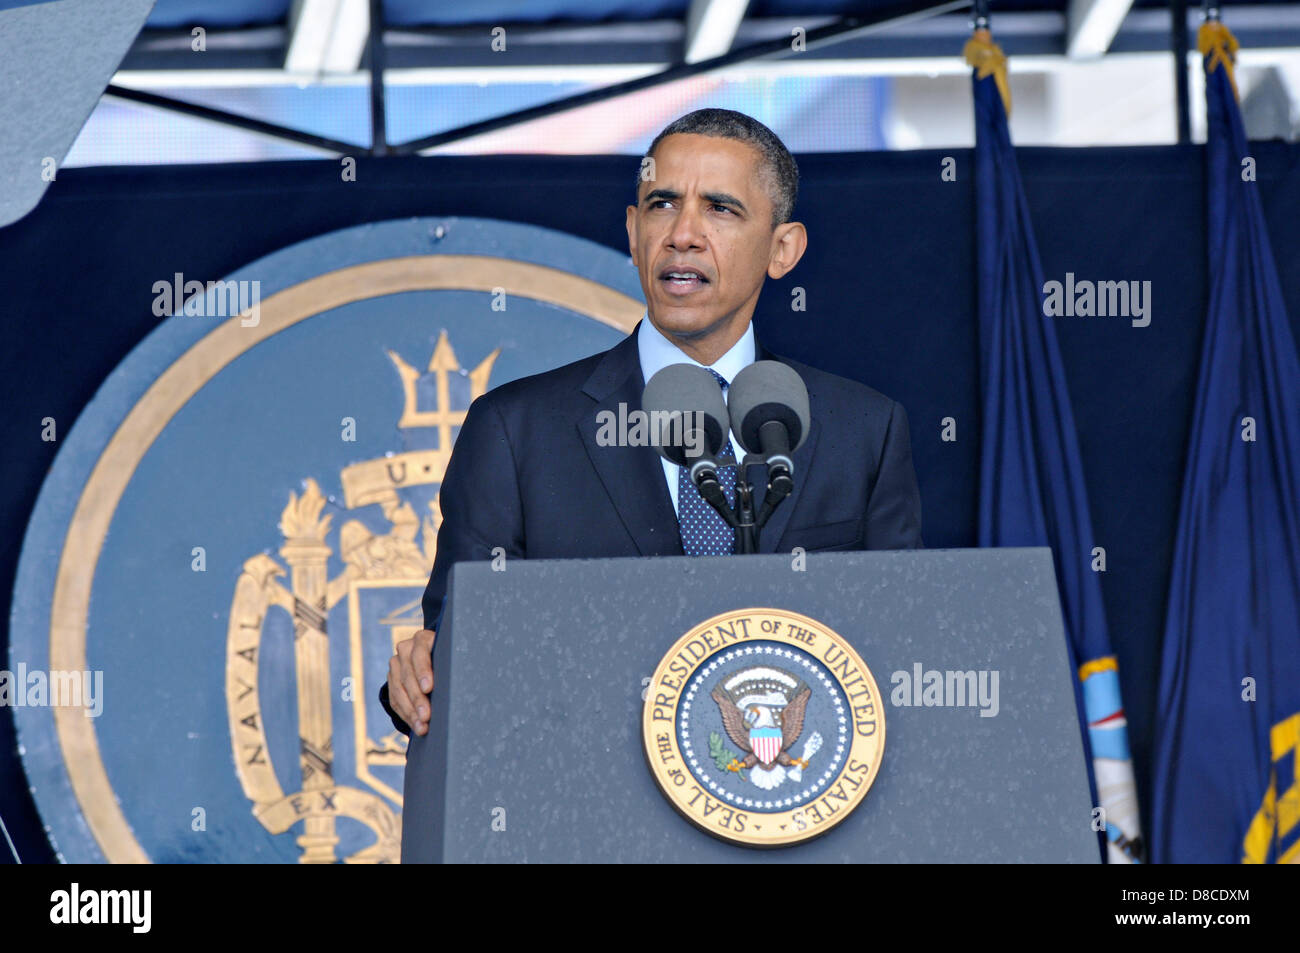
(527, 475)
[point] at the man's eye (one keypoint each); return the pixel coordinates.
(723, 207)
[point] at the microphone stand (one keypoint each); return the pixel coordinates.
(743, 519)
(746, 528)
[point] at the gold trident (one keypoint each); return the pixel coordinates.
(442, 363)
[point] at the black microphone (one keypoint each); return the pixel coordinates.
(688, 424)
(687, 414)
(768, 407)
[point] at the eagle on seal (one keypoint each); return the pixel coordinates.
(766, 733)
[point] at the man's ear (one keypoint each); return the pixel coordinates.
(789, 242)
(631, 233)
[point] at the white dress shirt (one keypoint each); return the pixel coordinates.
(657, 352)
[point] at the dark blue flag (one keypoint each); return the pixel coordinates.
(1229, 715)
(1031, 477)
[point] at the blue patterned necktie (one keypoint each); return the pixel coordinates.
(704, 531)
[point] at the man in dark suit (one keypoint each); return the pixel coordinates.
(531, 477)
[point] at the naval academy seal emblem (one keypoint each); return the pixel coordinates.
(272, 480)
(763, 727)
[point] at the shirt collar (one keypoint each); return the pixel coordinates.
(657, 352)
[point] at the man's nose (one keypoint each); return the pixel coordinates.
(687, 230)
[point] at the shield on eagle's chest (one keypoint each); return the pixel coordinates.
(766, 744)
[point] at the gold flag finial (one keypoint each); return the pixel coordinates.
(988, 59)
(1216, 41)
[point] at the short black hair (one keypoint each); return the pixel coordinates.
(779, 169)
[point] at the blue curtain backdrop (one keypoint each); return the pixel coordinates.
(1032, 490)
(889, 279)
(1228, 721)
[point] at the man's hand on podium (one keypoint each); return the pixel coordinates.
(410, 680)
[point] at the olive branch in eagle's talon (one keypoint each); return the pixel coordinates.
(723, 757)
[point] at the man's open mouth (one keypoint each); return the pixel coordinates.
(683, 280)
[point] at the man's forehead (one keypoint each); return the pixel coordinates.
(685, 153)
(691, 162)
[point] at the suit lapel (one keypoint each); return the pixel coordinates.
(633, 476)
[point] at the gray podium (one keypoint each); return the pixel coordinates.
(535, 749)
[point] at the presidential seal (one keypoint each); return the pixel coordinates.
(763, 727)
